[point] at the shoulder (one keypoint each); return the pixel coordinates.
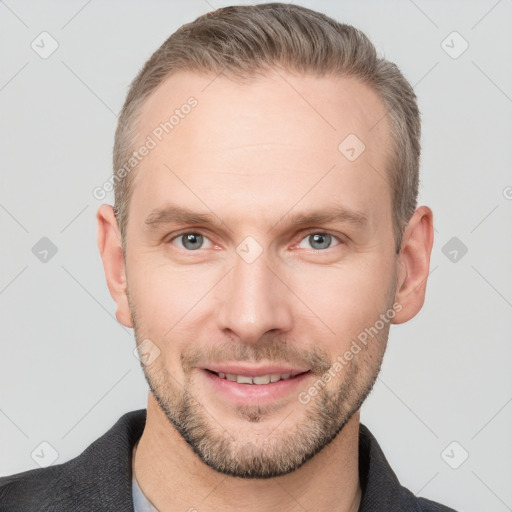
(30, 490)
(381, 488)
(98, 479)
(425, 505)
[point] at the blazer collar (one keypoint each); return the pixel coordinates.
(101, 477)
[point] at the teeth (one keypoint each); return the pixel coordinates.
(259, 380)
(264, 379)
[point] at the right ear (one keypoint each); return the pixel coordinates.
(111, 251)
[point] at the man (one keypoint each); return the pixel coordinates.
(264, 237)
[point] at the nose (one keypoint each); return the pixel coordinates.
(254, 301)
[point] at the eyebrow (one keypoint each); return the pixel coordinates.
(173, 214)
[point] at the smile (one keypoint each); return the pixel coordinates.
(257, 379)
(244, 386)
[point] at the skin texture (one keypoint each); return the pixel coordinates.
(253, 155)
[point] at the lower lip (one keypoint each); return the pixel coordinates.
(255, 394)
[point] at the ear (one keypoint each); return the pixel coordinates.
(414, 264)
(109, 244)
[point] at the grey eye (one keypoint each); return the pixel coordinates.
(191, 241)
(323, 240)
(318, 241)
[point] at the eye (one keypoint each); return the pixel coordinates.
(319, 240)
(190, 241)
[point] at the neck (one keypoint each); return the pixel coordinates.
(173, 477)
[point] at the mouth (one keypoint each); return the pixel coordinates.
(246, 386)
(258, 380)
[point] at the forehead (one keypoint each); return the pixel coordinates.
(270, 136)
(261, 107)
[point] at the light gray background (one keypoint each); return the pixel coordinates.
(67, 370)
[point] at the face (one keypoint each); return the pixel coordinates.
(260, 254)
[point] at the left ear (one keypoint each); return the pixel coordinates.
(414, 264)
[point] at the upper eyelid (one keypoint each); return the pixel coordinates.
(322, 232)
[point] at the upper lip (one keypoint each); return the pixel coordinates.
(254, 371)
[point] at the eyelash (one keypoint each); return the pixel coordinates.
(303, 236)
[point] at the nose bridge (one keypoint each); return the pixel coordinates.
(254, 300)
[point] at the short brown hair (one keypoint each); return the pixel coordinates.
(242, 41)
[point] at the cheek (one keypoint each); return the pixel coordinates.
(152, 299)
(163, 302)
(344, 300)
(167, 298)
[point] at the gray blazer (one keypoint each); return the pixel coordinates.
(100, 478)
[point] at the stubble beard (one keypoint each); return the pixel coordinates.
(281, 451)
